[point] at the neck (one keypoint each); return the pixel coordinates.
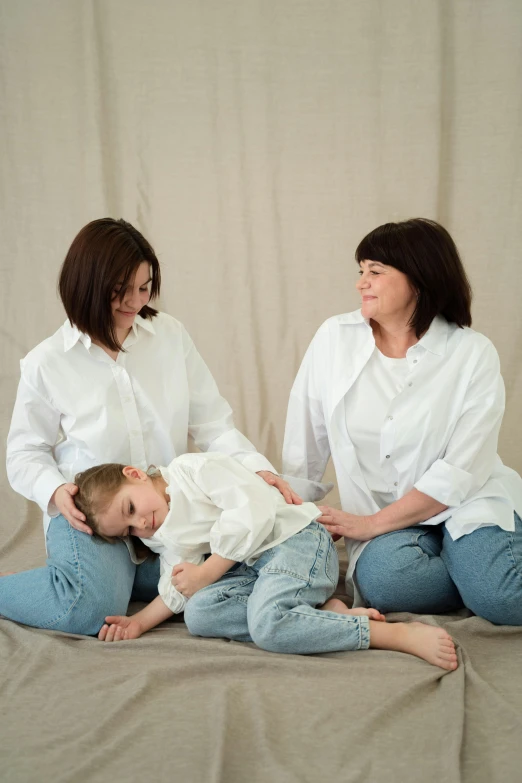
(394, 338)
(122, 334)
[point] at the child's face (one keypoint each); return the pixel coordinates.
(139, 508)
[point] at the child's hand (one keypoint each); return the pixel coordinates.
(118, 628)
(188, 578)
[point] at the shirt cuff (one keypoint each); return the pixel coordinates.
(445, 483)
(173, 599)
(44, 488)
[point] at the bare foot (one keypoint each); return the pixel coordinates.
(433, 644)
(337, 606)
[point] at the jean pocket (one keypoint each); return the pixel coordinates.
(332, 564)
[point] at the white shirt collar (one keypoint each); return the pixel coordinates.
(434, 340)
(72, 335)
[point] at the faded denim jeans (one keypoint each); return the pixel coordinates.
(273, 602)
(85, 580)
(421, 569)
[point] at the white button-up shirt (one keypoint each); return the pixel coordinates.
(76, 407)
(439, 434)
(218, 506)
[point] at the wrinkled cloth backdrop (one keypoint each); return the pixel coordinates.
(254, 144)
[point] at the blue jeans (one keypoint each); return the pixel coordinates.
(422, 570)
(85, 579)
(272, 602)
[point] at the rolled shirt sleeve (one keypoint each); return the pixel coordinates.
(175, 601)
(471, 453)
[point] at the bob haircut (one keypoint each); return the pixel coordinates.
(105, 253)
(425, 252)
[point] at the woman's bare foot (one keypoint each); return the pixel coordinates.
(433, 644)
(337, 606)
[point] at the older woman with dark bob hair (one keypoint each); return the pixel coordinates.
(408, 400)
(118, 382)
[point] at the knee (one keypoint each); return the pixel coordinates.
(379, 575)
(268, 633)
(493, 605)
(198, 617)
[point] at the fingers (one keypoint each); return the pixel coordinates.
(79, 526)
(177, 569)
(296, 500)
(287, 494)
(115, 618)
(112, 633)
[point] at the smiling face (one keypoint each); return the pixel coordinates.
(139, 507)
(136, 295)
(386, 293)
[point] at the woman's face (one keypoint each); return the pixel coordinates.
(386, 293)
(136, 296)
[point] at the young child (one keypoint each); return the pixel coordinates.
(272, 568)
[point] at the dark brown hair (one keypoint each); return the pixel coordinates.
(104, 254)
(425, 252)
(96, 488)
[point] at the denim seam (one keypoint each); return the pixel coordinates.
(512, 556)
(240, 598)
(331, 548)
(293, 574)
(364, 632)
(62, 616)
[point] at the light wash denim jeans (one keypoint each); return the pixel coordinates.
(421, 569)
(85, 579)
(272, 602)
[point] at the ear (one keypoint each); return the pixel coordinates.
(134, 473)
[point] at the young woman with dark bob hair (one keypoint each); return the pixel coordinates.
(408, 401)
(118, 382)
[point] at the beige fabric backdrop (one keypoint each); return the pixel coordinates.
(255, 143)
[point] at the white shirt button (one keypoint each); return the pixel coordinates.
(410, 384)
(415, 361)
(390, 418)
(395, 483)
(387, 456)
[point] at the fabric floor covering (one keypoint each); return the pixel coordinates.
(170, 707)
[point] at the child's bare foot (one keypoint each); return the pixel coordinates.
(337, 606)
(433, 644)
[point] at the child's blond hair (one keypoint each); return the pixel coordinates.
(96, 489)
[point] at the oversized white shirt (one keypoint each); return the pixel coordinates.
(218, 506)
(76, 408)
(439, 434)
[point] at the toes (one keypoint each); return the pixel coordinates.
(448, 656)
(445, 664)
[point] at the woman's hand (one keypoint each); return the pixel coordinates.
(118, 628)
(340, 523)
(63, 499)
(283, 486)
